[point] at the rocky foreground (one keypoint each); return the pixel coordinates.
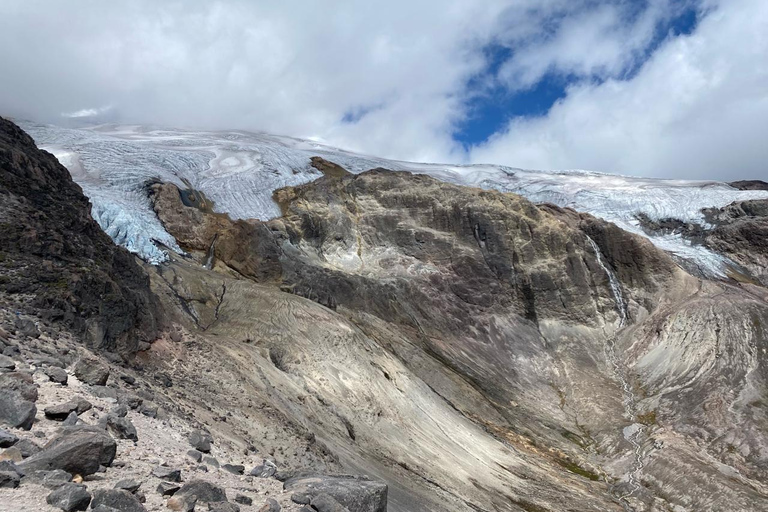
(454, 348)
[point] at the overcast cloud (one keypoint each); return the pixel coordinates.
(394, 79)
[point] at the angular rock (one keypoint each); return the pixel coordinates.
(104, 392)
(165, 473)
(71, 419)
(200, 441)
(9, 480)
(243, 499)
(195, 455)
(83, 405)
(15, 411)
(91, 371)
(70, 497)
(235, 469)
(121, 411)
(168, 488)
(28, 448)
(211, 461)
(354, 493)
(263, 471)
(50, 479)
(204, 490)
(301, 498)
(128, 484)
(21, 383)
(122, 427)
(6, 363)
(117, 499)
(56, 375)
(7, 439)
(26, 327)
(60, 412)
(78, 450)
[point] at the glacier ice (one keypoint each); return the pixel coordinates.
(239, 171)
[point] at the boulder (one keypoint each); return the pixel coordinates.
(15, 411)
(71, 419)
(70, 497)
(168, 488)
(9, 480)
(205, 491)
(83, 405)
(358, 494)
(7, 439)
(56, 375)
(211, 461)
(20, 382)
(128, 484)
(263, 471)
(243, 500)
(91, 371)
(168, 474)
(235, 469)
(28, 448)
(117, 499)
(50, 479)
(195, 455)
(60, 412)
(78, 450)
(26, 327)
(122, 427)
(200, 441)
(6, 363)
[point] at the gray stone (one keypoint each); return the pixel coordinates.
(122, 427)
(200, 441)
(235, 469)
(50, 479)
(60, 412)
(211, 461)
(71, 419)
(195, 455)
(70, 497)
(83, 405)
(325, 503)
(243, 499)
(263, 471)
(205, 491)
(121, 411)
(56, 375)
(15, 411)
(26, 327)
(169, 474)
(28, 448)
(104, 392)
(91, 371)
(301, 498)
(354, 493)
(9, 480)
(78, 450)
(128, 484)
(20, 382)
(6, 363)
(7, 439)
(117, 499)
(168, 488)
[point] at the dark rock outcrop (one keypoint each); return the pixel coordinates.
(52, 249)
(77, 450)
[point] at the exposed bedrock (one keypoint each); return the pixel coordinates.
(56, 259)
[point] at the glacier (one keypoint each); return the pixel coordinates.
(239, 170)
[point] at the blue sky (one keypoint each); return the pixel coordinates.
(491, 107)
(670, 88)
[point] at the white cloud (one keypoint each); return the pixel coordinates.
(400, 70)
(697, 109)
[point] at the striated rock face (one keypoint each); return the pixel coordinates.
(53, 253)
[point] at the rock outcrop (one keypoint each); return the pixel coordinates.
(56, 258)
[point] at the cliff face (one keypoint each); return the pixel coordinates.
(57, 261)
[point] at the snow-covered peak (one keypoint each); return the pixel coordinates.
(239, 171)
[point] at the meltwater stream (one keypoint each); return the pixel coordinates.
(633, 432)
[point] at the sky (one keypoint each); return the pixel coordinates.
(659, 88)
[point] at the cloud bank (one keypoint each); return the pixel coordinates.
(395, 79)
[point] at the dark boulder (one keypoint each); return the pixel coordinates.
(60, 412)
(7, 439)
(168, 474)
(205, 491)
(70, 497)
(122, 427)
(117, 499)
(200, 441)
(15, 411)
(49, 479)
(128, 484)
(78, 450)
(91, 371)
(56, 375)
(358, 494)
(235, 469)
